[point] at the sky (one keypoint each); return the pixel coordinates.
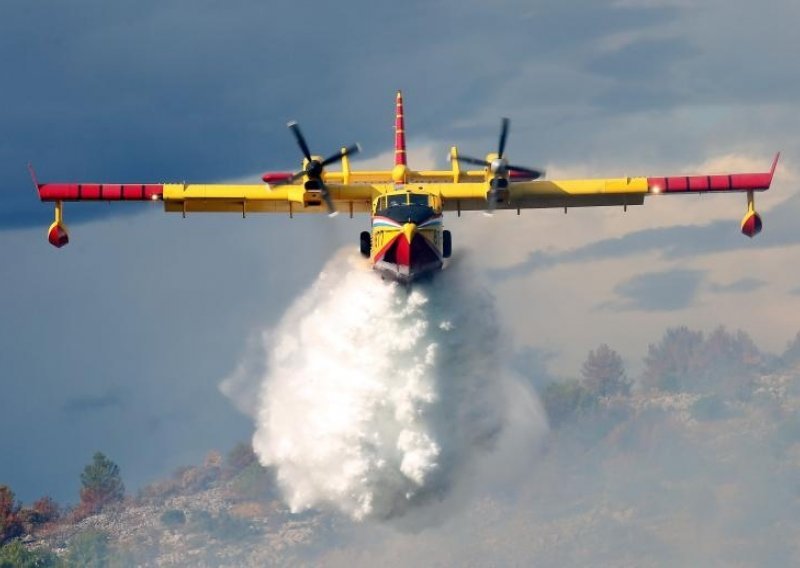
(118, 342)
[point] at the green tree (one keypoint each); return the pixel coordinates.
(791, 356)
(604, 373)
(724, 351)
(10, 524)
(240, 457)
(14, 554)
(722, 363)
(89, 549)
(253, 483)
(727, 365)
(566, 400)
(669, 364)
(101, 484)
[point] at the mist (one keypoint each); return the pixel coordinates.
(379, 401)
(702, 475)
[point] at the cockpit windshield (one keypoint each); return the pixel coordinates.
(407, 198)
(406, 206)
(397, 199)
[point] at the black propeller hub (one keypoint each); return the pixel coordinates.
(314, 169)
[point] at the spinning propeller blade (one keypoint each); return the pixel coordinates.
(533, 174)
(314, 168)
(473, 161)
(301, 141)
(500, 168)
(503, 137)
(352, 149)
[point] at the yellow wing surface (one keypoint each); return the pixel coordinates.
(358, 197)
(550, 193)
(498, 185)
(463, 191)
(355, 192)
(288, 199)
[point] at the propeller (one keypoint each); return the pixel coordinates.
(314, 167)
(500, 168)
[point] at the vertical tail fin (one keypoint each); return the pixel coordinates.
(399, 133)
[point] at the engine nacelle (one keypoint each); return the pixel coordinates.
(498, 190)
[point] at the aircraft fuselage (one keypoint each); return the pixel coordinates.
(408, 240)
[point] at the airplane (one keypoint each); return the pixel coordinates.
(407, 240)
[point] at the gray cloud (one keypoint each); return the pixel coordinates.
(93, 403)
(657, 291)
(670, 242)
(189, 91)
(740, 286)
(644, 60)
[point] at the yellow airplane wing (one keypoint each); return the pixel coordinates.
(549, 193)
(291, 199)
(207, 198)
(600, 191)
(316, 189)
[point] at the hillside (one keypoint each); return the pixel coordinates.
(696, 462)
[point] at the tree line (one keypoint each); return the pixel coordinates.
(723, 363)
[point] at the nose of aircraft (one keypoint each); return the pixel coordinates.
(408, 230)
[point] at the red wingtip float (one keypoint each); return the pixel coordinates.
(407, 239)
(751, 224)
(57, 234)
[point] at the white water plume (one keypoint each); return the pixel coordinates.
(374, 400)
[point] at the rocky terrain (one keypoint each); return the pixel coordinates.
(706, 474)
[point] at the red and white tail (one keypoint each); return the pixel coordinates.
(399, 133)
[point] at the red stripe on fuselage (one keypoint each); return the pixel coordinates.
(403, 252)
(386, 247)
